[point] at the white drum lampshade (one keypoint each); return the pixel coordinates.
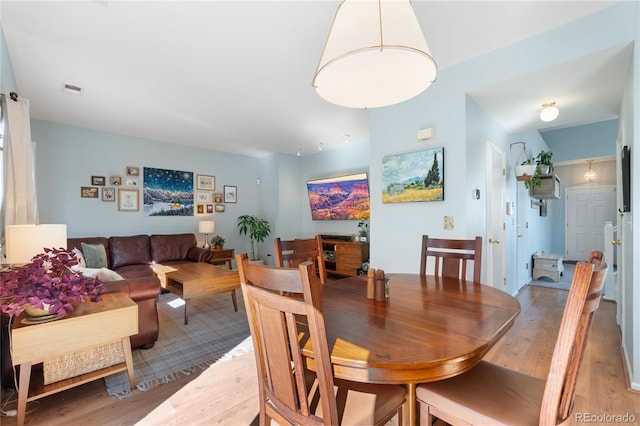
(26, 241)
(206, 227)
(375, 55)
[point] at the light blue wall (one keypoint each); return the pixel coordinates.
(67, 157)
(586, 141)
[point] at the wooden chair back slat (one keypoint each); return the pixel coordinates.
(452, 262)
(594, 295)
(575, 326)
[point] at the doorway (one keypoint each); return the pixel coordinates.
(587, 210)
(496, 211)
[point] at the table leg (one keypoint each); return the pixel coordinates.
(186, 311)
(23, 391)
(410, 416)
(235, 301)
(128, 359)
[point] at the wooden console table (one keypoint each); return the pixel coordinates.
(90, 324)
(220, 256)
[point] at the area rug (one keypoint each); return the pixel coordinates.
(565, 279)
(214, 329)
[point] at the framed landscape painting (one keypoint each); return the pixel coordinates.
(168, 192)
(415, 176)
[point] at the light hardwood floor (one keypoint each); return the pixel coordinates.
(527, 347)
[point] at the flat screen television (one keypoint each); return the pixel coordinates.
(625, 159)
(339, 198)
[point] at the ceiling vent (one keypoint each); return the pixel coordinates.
(71, 89)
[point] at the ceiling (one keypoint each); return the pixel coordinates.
(235, 76)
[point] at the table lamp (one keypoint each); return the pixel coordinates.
(25, 241)
(206, 227)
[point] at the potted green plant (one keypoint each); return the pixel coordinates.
(526, 170)
(543, 166)
(47, 286)
(543, 161)
(217, 242)
(257, 228)
(363, 232)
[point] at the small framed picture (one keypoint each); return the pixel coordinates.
(200, 208)
(217, 198)
(133, 171)
(108, 194)
(132, 182)
(203, 197)
(205, 182)
(88, 192)
(115, 180)
(128, 200)
(98, 180)
(219, 208)
(230, 194)
(209, 208)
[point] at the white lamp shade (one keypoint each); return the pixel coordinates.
(375, 55)
(206, 226)
(549, 113)
(25, 241)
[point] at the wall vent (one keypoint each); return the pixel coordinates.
(72, 89)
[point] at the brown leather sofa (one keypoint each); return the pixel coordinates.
(132, 257)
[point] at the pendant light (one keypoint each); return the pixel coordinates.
(375, 55)
(590, 175)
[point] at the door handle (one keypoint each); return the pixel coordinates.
(616, 242)
(520, 235)
(491, 241)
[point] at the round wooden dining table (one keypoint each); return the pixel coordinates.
(429, 328)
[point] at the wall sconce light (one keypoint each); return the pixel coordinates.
(591, 174)
(549, 112)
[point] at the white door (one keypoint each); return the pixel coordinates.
(523, 267)
(496, 245)
(586, 211)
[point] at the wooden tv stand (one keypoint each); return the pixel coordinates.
(344, 258)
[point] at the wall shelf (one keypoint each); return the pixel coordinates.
(549, 189)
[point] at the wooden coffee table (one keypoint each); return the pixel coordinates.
(196, 279)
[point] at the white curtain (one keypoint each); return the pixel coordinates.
(19, 196)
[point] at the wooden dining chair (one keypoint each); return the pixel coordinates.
(451, 256)
(292, 253)
(491, 394)
(277, 302)
(596, 257)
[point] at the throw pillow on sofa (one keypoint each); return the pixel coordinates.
(95, 255)
(81, 262)
(103, 274)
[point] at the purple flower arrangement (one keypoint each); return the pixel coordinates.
(48, 280)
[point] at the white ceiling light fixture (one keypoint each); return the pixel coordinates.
(549, 112)
(591, 174)
(375, 55)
